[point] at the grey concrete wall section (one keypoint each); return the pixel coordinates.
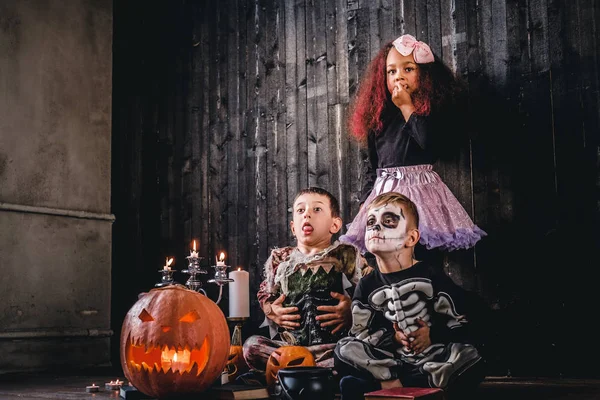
(55, 221)
(58, 276)
(55, 103)
(39, 354)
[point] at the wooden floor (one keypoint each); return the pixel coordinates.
(71, 386)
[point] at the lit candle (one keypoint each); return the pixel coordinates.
(221, 260)
(112, 385)
(181, 360)
(168, 263)
(239, 298)
(194, 253)
(93, 388)
(175, 360)
(175, 363)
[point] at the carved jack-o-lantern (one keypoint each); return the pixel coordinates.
(287, 356)
(236, 364)
(173, 341)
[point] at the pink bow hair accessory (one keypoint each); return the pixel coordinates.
(407, 44)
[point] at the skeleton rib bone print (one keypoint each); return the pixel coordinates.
(404, 302)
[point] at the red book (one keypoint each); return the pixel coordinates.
(411, 393)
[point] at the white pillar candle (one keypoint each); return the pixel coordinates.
(239, 294)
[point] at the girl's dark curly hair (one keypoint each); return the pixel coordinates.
(438, 87)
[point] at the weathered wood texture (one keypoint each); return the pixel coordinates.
(224, 110)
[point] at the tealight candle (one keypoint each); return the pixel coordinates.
(113, 385)
(92, 388)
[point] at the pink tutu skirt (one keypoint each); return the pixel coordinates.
(443, 221)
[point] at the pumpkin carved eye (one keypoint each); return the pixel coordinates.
(145, 316)
(190, 317)
(297, 361)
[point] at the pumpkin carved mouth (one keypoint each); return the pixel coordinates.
(158, 357)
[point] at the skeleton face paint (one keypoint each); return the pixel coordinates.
(386, 229)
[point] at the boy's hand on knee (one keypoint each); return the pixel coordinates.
(339, 315)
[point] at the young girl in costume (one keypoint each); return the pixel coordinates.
(403, 111)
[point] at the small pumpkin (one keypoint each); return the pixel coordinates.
(173, 341)
(236, 363)
(287, 356)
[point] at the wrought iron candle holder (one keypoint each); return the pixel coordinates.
(220, 277)
(167, 274)
(167, 277)
(194, 270)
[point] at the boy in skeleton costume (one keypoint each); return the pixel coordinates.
(306, 293)
(409, 323)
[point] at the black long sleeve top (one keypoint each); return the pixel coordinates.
(400, 143)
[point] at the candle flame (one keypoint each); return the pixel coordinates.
(175, 357)
(194, 245)
(169, 261)
(239, 268)
(222, 257)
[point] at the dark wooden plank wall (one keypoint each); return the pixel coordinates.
(224, 110)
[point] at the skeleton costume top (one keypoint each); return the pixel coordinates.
(418, 292)
(307, 282)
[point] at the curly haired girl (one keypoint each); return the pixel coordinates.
(406, 97)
